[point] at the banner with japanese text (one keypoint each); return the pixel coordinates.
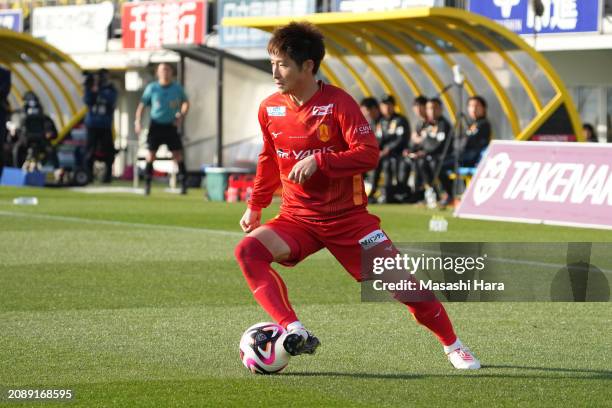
(559, 16)
(151, 25)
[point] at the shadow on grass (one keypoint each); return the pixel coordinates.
(398, 376)
(522, 372)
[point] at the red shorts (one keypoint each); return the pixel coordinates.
(345, 238)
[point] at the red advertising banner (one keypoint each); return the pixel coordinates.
(150, 25)
(543, 182)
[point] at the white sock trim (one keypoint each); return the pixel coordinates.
(295, 325)
(453, 347)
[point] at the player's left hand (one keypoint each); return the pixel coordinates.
(303, 170)
(178, 121)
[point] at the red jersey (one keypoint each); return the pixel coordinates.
(329, 126)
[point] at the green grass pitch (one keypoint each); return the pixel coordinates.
(137, 301)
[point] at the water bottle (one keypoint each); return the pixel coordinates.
(430, 198)
(438, 223)
(25, 201)
(443, 225)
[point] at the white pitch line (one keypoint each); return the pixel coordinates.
(119, 223)
(504, 260)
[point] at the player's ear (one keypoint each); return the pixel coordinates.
(308, 65)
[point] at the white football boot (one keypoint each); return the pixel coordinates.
(461, 357)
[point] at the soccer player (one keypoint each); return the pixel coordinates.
(317, 144)
(169, 105)
(478, 132)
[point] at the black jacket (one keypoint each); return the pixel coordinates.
(437, 134)
(395, 133)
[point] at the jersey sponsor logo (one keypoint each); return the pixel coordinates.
(276, 110)
(302, 154)
(363, 130)
(324, 135)
(372, 239)
(282, 153)
(322, 110)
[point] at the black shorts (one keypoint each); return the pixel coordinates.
(161, 133)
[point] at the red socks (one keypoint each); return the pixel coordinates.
(267, 286)
(433, 316)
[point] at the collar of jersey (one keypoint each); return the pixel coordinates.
(293, 106)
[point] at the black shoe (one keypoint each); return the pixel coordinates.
(295, 344)
(183, 188)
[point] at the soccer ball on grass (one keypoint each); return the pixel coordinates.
(261, 348)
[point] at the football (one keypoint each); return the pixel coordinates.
(261, 348)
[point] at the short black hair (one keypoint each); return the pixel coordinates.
(589, 127)
(369, 102)
(300, 41)
(480, 100)
(387, 98)
(419, 100)
(435, 100)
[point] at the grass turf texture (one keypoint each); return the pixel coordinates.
(137, 301)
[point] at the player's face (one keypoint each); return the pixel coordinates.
(387, 109)
(475, 109)
(419, 111)
(164, 73)
(433, 111)
(371, 114)
(287, 75)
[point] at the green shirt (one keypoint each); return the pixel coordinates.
(165, 101)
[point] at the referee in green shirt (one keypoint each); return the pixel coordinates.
(169, 105)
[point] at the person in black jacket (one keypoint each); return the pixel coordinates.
(393, 131)
(436, 154)
(5, 88)
(100, 96)
(408, 162)
(478, 133)
(36, 131)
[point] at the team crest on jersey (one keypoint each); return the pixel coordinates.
(276, 110)
(324, 133)
(322, 110)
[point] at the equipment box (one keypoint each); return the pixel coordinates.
(216, 180)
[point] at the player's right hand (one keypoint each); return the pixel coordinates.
(250, 220)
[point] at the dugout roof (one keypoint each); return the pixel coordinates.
(411, 52)
(51, 74)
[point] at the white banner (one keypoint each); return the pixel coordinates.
(74, 28)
